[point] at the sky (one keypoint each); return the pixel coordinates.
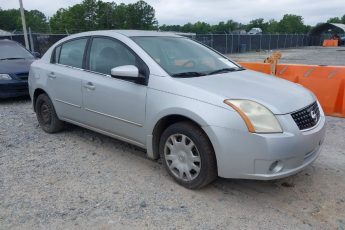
(211, 11)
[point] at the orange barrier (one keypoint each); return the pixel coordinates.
(256, 66)
(330, 42)
(326, 82)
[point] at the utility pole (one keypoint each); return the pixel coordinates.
(24, 25)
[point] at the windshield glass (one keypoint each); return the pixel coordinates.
(182, 57)
(9, 50)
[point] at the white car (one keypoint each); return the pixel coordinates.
(255, 31)
(205, 115)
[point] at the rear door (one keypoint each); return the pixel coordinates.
(65, 76)
(114, 105)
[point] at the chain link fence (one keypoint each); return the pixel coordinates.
(239, 43)
(224, 43)
(37, 42)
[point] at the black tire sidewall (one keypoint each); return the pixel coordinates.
(55, 124)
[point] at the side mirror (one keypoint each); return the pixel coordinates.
(127, 71)
(36, 54)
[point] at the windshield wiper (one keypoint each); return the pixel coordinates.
(14, 58)
(225, 70)
(188, 74)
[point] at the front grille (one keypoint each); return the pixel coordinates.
(22, 76)
(308, 117)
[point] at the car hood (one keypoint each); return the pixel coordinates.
(15, 66)
(280, 96)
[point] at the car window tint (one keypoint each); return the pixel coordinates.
(106, 54)
(72, 53)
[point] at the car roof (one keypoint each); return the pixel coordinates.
(131, 33)
(7, 42)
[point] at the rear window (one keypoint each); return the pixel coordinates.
(71, 53)
(12, 50)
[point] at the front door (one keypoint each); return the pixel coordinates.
(113, 105)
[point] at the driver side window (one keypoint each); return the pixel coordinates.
(106, 54)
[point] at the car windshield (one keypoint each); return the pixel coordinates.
(11, 51)
(183, 57)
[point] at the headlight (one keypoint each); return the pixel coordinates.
(4, 76)
(256, 116)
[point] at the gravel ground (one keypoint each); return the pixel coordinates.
(78, 179)
(316, 55)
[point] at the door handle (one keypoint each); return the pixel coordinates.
(52, 75)
(90, 86)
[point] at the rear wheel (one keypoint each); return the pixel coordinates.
(46, 115)
(188, 155)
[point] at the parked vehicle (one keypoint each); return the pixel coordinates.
(15, 63)
(255, 31)
(203, 114)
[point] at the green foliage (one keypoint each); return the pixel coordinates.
(10, 20)
(257, 23)
(272, 26)
(292, 24)
(334, 20)
(140, 15)
(96, 15)
(203, 27)
(337, 20)
(288, 24)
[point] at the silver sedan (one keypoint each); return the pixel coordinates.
(203, 114)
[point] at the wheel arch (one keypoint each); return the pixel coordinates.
(163, 123)
(37, 92)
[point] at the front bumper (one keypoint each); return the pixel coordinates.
(13, 88)
(245, 155)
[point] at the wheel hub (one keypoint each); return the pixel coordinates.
(182, 157)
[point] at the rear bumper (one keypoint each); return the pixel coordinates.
(245, 155)
(13, 89)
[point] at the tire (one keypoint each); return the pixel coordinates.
(46, 115)
(188, 155)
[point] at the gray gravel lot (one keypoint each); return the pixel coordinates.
(78, 179)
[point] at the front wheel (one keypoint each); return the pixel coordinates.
(46, 115)
(188, 155)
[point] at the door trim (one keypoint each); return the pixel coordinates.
(68, 103)
(116, 118)
(105, 133)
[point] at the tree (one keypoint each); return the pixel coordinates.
(257, 23)
(334, 20)
(104, 14)
(174, 28)
(10, 20)
(272, 26)
(37, 21)
(225, 27)
(141, 16)
(291, 24)
(95, 15)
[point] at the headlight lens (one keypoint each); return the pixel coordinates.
(5, 77)
(256, 116)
